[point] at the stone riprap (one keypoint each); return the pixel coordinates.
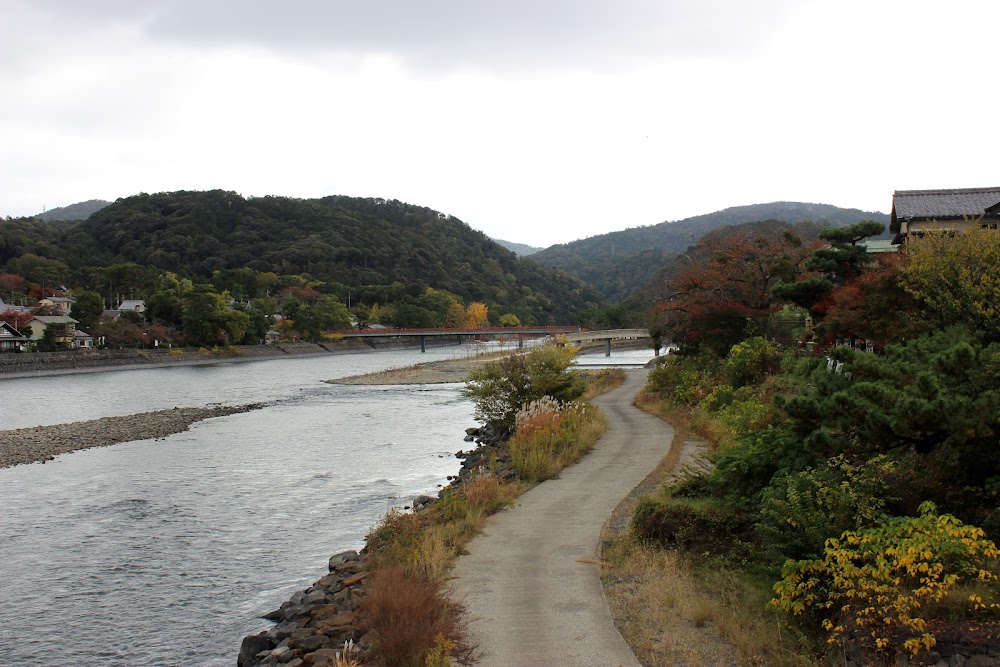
(43, 443)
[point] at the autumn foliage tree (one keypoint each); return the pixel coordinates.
(723, 293)
(477, 315)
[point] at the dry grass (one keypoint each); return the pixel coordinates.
(659, 610)
(673, 612)
(549, 437)
(601, 382)
(410, 617)
(426, 544)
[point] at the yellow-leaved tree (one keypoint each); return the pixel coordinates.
(477, 315)
(956, 277)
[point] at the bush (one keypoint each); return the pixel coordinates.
(801, 510)
(412, 619)
(749, 362)
(501, 388)
(701, 527)
(684, 380)
(747, 467)
(872, 586)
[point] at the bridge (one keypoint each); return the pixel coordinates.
(558, 334)
(606, 335)
(472, 332)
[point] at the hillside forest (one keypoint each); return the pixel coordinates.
(853, 404)
(215, 267)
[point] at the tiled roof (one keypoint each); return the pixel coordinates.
(909, 204)
(10, 306)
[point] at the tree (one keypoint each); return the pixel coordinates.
(87, 308)
(723, 292)
(842, 260)
(208, 319)
(956, 279)
(15, 318)
(509, 320)
(325, 315)
(477, 315)
(936, 397)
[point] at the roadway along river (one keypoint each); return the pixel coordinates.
(165, 552)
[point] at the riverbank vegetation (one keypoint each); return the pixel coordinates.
(415, 550)
(855, 480)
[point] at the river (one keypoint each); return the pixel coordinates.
(166, 552)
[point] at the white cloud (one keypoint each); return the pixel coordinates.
(536, 125)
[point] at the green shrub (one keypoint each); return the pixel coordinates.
(499, 389)
(801, 510)
(701, 527)
(746, 467)
(750, 361)
(745, 415)
(685, 380)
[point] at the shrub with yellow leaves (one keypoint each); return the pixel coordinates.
(874, 586)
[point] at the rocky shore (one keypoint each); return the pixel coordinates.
(43, 443)
(323, 621)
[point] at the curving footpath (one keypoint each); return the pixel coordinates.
(531, 583)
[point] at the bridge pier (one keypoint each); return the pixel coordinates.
(607, 347)
(423, 343)
(520, 342)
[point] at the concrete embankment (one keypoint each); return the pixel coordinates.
(43, 443)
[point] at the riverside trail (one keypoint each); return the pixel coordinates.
(531, 581)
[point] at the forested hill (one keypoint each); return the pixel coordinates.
(522, 249)
(363, 250)
(619, 263)
(79, 211)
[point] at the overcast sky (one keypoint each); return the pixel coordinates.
(537, 121)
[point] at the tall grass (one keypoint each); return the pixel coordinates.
(413, 619)
(426, 543)
(548, 436)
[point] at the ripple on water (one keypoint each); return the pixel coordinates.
(149, 554)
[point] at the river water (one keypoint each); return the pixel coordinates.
(166, 552)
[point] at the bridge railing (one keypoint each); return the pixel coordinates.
(608, 334)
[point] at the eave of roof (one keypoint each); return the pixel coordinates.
(941, 204)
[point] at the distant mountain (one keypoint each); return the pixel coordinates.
(80, 211)
(520, 249)
(620, 263)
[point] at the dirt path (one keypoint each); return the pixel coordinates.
(531, 581)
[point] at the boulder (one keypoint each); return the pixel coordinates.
(341, 558)
(252, 645)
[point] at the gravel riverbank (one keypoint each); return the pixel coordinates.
(43, 443)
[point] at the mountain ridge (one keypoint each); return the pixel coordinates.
(620, 262)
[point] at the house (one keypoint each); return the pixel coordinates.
(137, 306)
(63, 304)
(11, 339)
(879, 246)
(920, 211)
(64, 328)
(82, 340)
(4, 307)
